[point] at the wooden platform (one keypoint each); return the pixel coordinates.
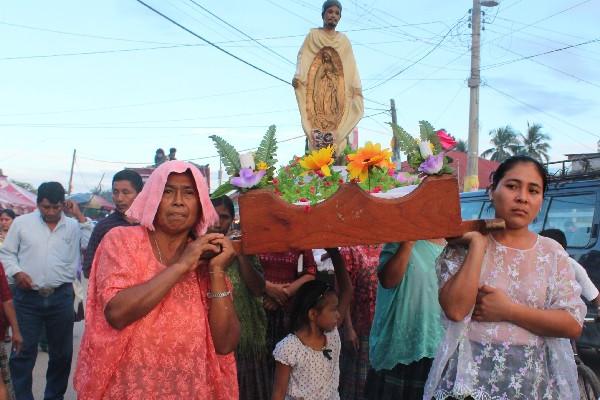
(353, 217)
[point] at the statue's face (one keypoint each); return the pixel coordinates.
(332, 17)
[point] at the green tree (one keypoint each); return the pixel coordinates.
(535, 143)
(461, 146)
(506, 144)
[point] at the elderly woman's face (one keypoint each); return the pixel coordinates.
(179, 208)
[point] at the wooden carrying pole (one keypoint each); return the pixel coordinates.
(353, 217)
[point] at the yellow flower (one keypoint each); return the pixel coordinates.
(318, 160)
(368, 157)
(261, 166)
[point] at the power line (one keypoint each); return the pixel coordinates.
(418, 60)
(212, 44)
(552, 68)
(541, 111)
(502, 63)
(545, 18)
(243, 33)
(148, 103)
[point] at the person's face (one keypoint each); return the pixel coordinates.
(179, 208)
(51, 213)
(327, 318)
(5, 222)
(332, 17)
(519, 195)
(225, 220)
(123, 194)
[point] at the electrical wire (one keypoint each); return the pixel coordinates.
(243, 33)
(541, 111)
(502, 63)
(416, 61)
(213, 44)
(552, 68)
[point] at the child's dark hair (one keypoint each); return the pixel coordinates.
(510, 162)
(557, 235)
(310, 295)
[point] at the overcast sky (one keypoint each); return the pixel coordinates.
(116, 81)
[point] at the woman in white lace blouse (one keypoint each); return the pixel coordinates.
(510, 301)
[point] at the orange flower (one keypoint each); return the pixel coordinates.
(318, 160)
(366, 158)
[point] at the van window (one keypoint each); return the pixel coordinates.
(470, 210)
(574, 215)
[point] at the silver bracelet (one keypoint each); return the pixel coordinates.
(218, 295)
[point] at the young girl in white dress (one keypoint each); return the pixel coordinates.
(307, 360)
(511, 303)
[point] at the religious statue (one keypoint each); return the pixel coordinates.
(327, 83)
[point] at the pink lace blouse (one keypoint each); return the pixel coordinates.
(169, 353)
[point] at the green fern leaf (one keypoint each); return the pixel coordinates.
(268, 147)
(427, 131)
(406, 143)
(223, 190)
(229, 155)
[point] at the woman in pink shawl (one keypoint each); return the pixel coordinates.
(160, 321)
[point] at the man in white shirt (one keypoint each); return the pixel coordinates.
(41, 254)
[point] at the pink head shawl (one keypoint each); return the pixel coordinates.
(145, 205)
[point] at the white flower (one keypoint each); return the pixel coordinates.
(425, 149)
(247, 161)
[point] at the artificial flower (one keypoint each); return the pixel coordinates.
(405, 178)
(426, 149)
(446, 140)
(318, 160)
(248, 178)
(261, 166)
(367, 157)
(247, 161)
(432, 165)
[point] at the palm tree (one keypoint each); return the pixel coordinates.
(505, 143)
(535, 143)
(461, 146)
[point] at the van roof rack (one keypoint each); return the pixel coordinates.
(577, 166)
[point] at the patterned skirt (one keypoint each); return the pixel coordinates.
(405, 382)
(353, 370)
(4, 369)
(255, 378)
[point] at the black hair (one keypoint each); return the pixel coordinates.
(224, 201)
(510, 162)
(310, 295)
(557, 235)
(160, 151)
(54, 192)
(9, 212)
(172, 150)
(132, 177)
(330, 3)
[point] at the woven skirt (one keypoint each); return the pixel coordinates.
(406, 382)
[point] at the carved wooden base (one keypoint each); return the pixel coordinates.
(353, 217)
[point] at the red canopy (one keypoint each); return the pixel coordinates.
(15, 197)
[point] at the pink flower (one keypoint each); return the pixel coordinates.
(247, 178)
(446, 140)
(404, 177)
(432, 165)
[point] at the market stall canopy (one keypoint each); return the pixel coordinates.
(90, 200)
(15, 197)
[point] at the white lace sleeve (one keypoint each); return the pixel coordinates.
(565, 292)
(449, 262)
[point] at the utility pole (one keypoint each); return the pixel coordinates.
(71, 174)
(471, 181)
(395, 150)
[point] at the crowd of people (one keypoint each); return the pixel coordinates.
(174, 313)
